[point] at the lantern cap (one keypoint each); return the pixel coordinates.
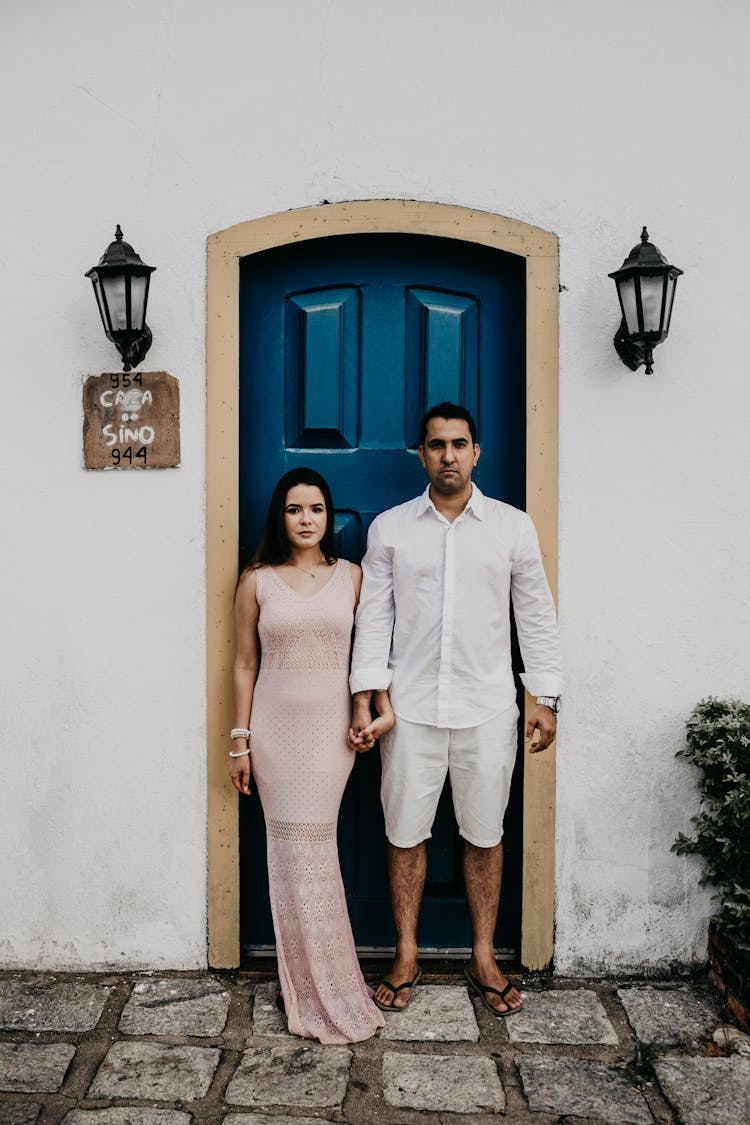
(645, 258)
(119, 257)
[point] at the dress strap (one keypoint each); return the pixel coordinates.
(346, 571)
(345, 576)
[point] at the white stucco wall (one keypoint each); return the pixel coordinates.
(179, 119)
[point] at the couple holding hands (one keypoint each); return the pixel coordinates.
(429, 674)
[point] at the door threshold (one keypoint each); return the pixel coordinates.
(442, 964)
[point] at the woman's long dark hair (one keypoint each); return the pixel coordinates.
(273, 549)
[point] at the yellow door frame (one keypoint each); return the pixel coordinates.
(226, 248)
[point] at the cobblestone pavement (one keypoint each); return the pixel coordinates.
(194, 1049)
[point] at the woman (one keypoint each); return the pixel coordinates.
(294, 616)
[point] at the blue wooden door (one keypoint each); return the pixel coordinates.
(344, 343)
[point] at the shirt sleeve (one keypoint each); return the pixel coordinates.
(375, 617)
(536, 621)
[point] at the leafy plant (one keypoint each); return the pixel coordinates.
(718, 742)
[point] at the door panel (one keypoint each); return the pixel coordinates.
(322, 369)
(442, 350)
(344, 343)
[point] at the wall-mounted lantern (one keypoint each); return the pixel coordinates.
(645, 285)
(121, 283)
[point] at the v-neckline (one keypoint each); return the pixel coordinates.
(306, 597)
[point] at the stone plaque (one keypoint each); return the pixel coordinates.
(131, 420)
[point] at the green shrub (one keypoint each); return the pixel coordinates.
(718, 742)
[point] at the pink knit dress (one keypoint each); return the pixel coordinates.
(301, 762)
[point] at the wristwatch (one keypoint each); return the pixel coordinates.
(551, 701)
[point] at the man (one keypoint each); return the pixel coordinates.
(433, 626)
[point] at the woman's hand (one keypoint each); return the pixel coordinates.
(369, 735)
(240, 770)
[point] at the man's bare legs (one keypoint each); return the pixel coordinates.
(483, 873)
(483, 870)
(407, 868)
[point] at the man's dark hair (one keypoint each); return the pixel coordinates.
(448, 410)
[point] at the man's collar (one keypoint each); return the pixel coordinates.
(475, 504)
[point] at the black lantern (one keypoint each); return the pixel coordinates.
(645, 285)
(121, 283)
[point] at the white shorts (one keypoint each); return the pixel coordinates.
(480, 762)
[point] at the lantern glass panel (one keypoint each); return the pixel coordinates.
(114, 292)
(138, 290)
(652, 292)
(99, 294)
(671, 283)
(629, 307)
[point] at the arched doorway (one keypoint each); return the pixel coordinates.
(535, 252)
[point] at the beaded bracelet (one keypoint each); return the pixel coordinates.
(238, 753)
(239, 732)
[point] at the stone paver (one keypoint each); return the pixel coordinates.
(266, 1119)
(582, 1088)
(147, 1070)
(668, 1017)
(703, 1091)
(57, 1006)
(291, 1076)
(19, 1113)
(176, 1007)
(34, 1067)
(563, 1016)
(267, 1019)
(437, 1013)
(453, 1083)
(126, 1115)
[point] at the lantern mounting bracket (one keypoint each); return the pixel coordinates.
(132, 354)
(632, 354)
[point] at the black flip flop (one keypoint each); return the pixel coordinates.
(395, 989)
(482, 990)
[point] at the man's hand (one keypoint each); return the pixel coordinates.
(361, 718)
(543, 720)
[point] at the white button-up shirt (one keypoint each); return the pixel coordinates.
(433, 623)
